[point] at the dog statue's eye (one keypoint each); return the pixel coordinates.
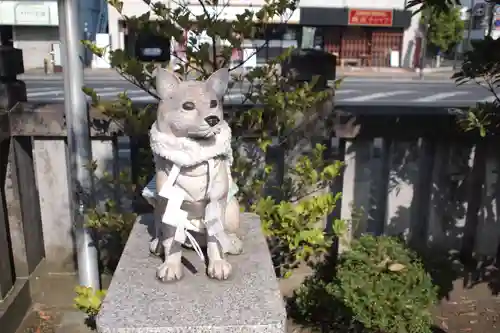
(188, 106)
(213, 103)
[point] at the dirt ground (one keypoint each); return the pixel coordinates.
(462, 316)
(465, 316)
(465, 310)
(53, 310)
(45, 319)
(473, 310)
(469, 316)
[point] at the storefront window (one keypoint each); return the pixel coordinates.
(312, 38)
(6, 35)
(280, 31)
(270, 41)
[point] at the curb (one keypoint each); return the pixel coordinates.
(346, 79)
(396, 80)
(60, 77)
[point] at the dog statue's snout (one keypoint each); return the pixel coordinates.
(212, 120)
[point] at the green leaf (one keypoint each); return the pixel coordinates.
(445, 30)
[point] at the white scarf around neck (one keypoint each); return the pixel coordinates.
(185, 152)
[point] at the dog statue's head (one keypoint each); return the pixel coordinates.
(191, 109)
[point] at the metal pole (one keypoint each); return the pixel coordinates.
(455, 56)
(80, 154)
(423, 47)
(491, 15)
(469, 28)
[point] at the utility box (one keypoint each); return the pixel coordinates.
(150, 47)
(304, 64)
(11, 62)
(12, 90)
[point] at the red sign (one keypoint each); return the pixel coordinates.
(378, 18)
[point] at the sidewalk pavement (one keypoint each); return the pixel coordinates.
(89, 73)
(353, 74)
(415, 78)
(397, 74)
(53, 308)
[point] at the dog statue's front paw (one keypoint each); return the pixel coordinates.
(219, 269)
(170, 270)
(235, 246)
(155, 247)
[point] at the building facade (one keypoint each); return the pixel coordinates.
(476, 15)
(33, 26)
(364, 32)
(94, 18)
(360, 32)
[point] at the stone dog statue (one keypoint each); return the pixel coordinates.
(194, 190)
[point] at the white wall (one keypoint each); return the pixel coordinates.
(368, 4)
(230, 2)
(229, 13)
(130, 8)
(409, 41)
(36, 43)
(114, 28)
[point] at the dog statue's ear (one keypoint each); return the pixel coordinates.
(219, 81)
(165, 81)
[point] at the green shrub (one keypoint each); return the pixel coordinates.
(385, 286)
(89, 302)
(314, 306)
(379, 286)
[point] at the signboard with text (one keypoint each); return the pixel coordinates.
(32, 14)
(367, 17)
(29, 13)
(496, 17)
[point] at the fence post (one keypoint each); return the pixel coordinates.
(11, 92)
(15, 300)
(7, 274)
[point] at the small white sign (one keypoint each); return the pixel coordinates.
(32, 14)
(102, 41)
(151, 52)
(394, 58)
(249, 58)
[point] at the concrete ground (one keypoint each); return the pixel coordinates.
(369, 72)
(52, 310)
(473, 310)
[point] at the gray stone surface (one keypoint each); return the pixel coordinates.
(52, 180)
(250, 301)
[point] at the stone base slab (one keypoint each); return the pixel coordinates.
(250, 301)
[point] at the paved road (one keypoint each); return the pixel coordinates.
(351, 92)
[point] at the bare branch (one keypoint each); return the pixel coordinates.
(491, 88)
(136, 83)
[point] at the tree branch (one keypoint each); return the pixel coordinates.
(492, 89)
(214, 41)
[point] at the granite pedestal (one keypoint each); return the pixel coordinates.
(250, 301)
